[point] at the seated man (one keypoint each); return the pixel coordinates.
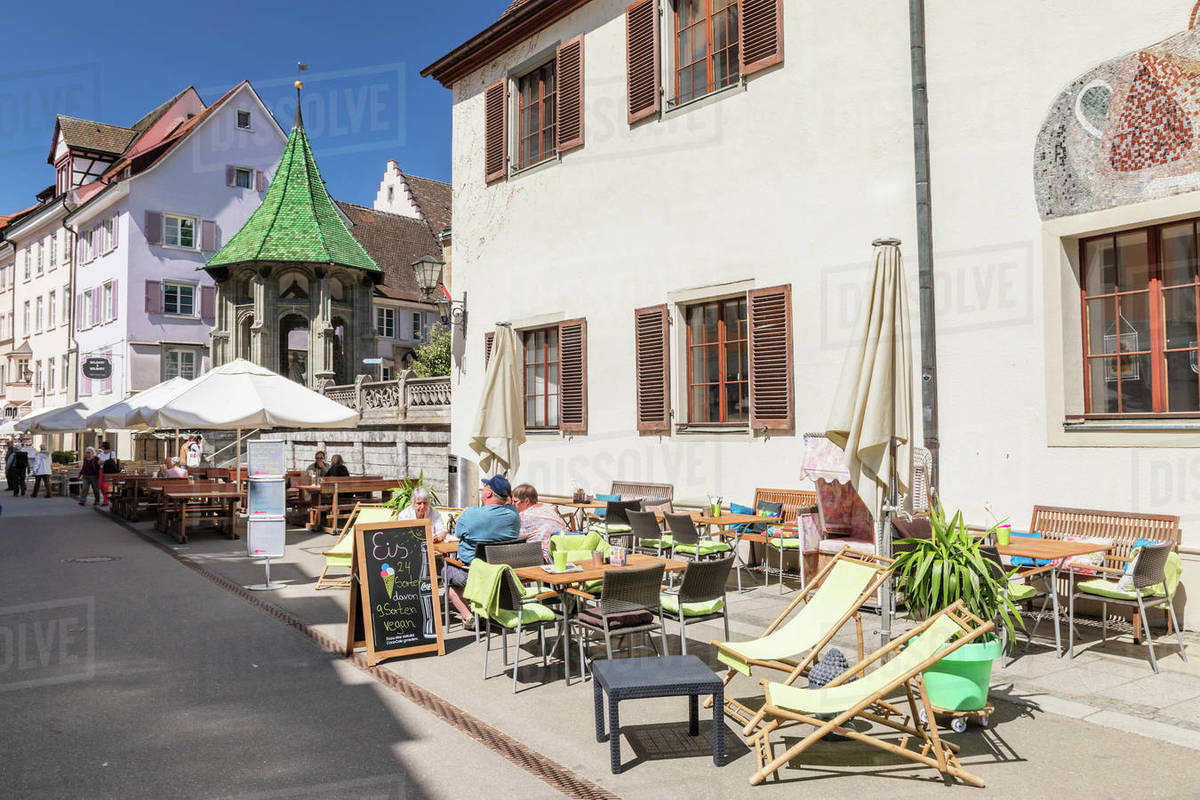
(421, 507)
(539, 521)
(495, 521)
(173, 470)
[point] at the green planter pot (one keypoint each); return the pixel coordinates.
(959, 682)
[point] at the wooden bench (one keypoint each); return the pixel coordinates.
(1122, 527)
(796, 503)
(339, 496)
(166, 507)
(652, 493)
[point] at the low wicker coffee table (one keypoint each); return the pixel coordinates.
(668, 676)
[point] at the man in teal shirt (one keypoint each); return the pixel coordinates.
(493, 522)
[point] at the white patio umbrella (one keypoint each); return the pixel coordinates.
(67, 419)
(872, 411)
(127, 414)
(499, 429)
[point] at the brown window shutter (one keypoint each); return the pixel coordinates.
(572, 390)
(488, 338)
(762, 34)
(495, 131)
(569, 74)
(771, 402)
(653, 368)
(641, 59)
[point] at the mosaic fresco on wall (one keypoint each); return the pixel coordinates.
(1125, 131)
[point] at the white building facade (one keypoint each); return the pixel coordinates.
(678, 218)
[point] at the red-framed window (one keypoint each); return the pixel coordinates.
(706, 47)
(1141, 332)
(718, 362)
(541, 377)
(536, 116)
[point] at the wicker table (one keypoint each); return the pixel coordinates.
(667, 676)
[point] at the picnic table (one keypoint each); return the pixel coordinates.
(561, 582)
(202, 505)
(333, 497)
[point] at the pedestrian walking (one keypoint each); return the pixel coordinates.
(89, 475)
(8, 462)
(40, 467)
(19, 469)
(109, 465)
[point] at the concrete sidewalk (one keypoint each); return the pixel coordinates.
(1038, 744)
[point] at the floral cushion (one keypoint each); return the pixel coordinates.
(1086, 563)
(843, 512)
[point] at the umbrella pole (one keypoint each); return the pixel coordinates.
(237, 466)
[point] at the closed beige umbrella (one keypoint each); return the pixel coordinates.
(872, 411)
(499, 429)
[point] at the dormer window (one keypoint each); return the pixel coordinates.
(243, 120)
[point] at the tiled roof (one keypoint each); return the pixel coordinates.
(296, 220)
(85, 134)
(144, 124)
(433, 198)
(395, 242)
(513, 6)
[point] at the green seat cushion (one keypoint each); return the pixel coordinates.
(603, 527)
(532, 590)
(791, 543)
(530, 613)
(665, 542)
(1102, 588)
(670, 605)
(594, 587)
(706, 548)
(1020, 591)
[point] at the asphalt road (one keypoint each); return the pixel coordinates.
(136, 677)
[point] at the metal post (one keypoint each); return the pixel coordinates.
(920, 106)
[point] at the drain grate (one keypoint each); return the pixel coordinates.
(546, 769)
(91, 559)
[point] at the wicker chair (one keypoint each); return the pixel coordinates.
(686, 539)
(647, 535)
(517, 614)
(616, 519)
(1149, 571)
(625, 593)
(701, 596)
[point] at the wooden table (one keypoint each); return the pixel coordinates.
(578, 510)
(1057, 552)
(560, 582)
(223, 501)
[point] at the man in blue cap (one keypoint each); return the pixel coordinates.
(495, 521)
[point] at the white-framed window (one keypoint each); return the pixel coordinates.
(51, 309)
(66, 303)
(109, 308)
(41, 257)
(85, 248)
(385, 322)
(85, 319)
(179, 364)
(110, 241)
(66, 248)
(27, 319)
(179, 231)
(244, 120)
(37, 376)
(28, 263)
(53, 250)
(418, 325)
(66, 372)
(243, 178)
(40, 315)
(179, 299)
(50, 374)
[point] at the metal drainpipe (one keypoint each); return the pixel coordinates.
(71, 304)
(920, 106)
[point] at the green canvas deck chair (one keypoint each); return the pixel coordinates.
(791, 645)
(341, 555)
(831, 707)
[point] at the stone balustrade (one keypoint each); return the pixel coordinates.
(407, 398)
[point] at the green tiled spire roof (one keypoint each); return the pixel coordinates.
(297, 220)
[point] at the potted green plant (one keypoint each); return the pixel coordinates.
(402, 496)
(934, 573)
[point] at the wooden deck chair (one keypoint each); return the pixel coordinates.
(829, 708)
(341, 554)
(833, 597)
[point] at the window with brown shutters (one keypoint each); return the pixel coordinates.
(762, 34)
(642, 59)
(573, 406)
(495, 131)
(569, 59)
(772, 405)
(652, 366)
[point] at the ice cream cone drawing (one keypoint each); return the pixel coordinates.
(388, 573)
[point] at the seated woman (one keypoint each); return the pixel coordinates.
(172, 469)
(337, 468)
(539, 521)
(421, 507)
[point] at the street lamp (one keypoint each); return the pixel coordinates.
(428, 271)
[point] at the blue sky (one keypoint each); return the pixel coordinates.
(365, 101)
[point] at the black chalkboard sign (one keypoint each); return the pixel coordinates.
(394, 591)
